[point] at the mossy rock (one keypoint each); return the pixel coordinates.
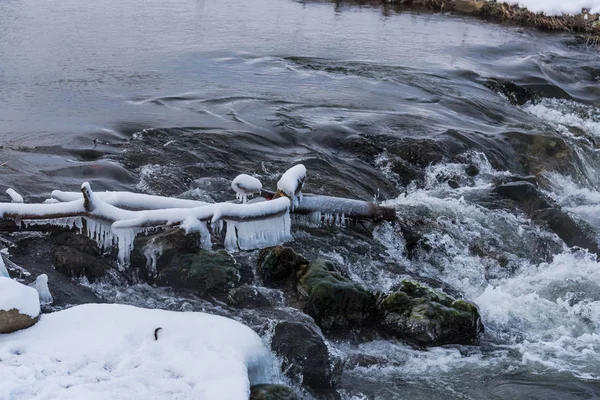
(429, 317)
(334, 301)
(278, 264)
(206, 272)
(268, 391)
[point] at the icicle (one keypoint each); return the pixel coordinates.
(258, 234)
(152, 252)
(3, 270)
(125, 239)
(41, 285)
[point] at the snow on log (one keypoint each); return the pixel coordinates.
(245, 186)
(132, 201)
(346, 208)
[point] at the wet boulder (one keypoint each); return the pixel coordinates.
(334, 301)
(247, 296)
(573, 233)
(428, 317)
(267, 391)
(205, 272)
(148, 249)
(74, 263)
(278, 264)
(305, 355)
(525, 194)
(517, 95)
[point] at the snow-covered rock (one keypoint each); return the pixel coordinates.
(19, 306)
(291, 183)
(245, 186)
(109, 351)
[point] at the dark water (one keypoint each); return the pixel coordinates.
(182, 90)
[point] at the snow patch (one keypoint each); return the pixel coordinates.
(109, 351)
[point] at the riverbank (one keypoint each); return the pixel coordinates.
(585, 23)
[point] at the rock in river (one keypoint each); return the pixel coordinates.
(428, 317)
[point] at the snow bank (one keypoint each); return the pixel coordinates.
(109, 351)
(14, 295)
(558, 7)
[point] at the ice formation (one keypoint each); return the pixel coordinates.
(41, 285)
(108, 351)
(245, 186)
(15, 197)
(14, 295)
(291, 183)
(3, 270)
(257, 234)
(115, 218)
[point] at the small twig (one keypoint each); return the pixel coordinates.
(156, 333)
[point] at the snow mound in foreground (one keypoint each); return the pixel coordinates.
(109, 351)
(14, 295)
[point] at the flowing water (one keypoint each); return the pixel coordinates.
(184, 95)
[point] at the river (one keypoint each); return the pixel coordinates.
(152, 96)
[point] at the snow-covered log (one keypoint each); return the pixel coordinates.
(132, 201)
(117, 217)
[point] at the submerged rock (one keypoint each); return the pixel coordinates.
(267, 391)
(428, 317)
(305, 355)
(525, 194)
(542, 211)
(334, 301)
(571, 232)
(515, 94)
